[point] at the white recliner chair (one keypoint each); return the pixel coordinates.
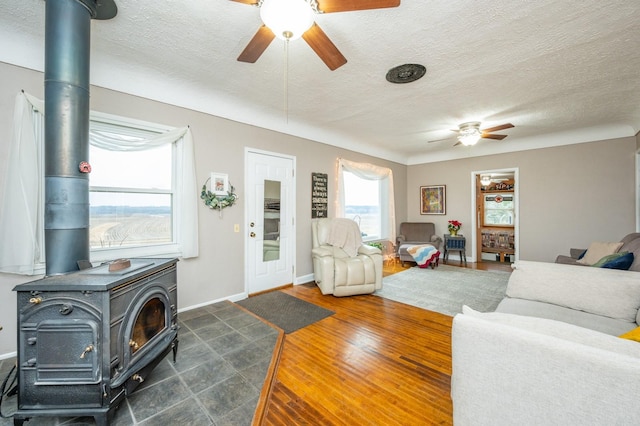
(342, 265)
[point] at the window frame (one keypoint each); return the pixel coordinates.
(139, 127)
(383, 203)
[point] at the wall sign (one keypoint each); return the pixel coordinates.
(319, 195)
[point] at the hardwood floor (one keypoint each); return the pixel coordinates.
(375, 362)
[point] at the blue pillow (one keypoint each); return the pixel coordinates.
(623, 261)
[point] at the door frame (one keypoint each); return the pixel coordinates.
(474, 212)
(245, 227)
(637, 184)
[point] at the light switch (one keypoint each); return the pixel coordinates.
(236, 228)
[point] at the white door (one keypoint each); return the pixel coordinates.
(269, 215)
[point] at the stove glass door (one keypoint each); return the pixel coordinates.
(149, 322)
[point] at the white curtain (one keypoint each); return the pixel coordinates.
(22, 217)
(370, 172)
(22, 214)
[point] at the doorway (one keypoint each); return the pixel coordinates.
(270, 220)
(495, 201)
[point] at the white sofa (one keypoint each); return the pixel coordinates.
(550, 354)
(605, 300)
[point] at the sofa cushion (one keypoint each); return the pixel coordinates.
(560, 330)
(622, 260)
(607, 292)
(632, 334)
(532, 308)
(597, 250)
(630, 237)
(633, 246)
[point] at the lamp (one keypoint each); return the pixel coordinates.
(288, 19)
(469, 133)
(485, 180)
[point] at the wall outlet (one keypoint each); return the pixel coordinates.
(236, 228)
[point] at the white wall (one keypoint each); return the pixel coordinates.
(218, 273)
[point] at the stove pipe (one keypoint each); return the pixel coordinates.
(66, 95)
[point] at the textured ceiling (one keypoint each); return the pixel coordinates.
(561, 72)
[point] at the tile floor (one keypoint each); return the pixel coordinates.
(223, 357)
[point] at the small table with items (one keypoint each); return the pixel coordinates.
(455, 243)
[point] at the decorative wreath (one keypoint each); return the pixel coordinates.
(218, 202)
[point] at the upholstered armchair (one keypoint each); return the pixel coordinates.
(413, 233)
(342, 265)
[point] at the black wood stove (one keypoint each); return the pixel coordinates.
(88, 338)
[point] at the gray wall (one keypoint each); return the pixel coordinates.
(570, 196)
(218, 272)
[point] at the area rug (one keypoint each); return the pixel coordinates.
(285, 311)
(446, 288)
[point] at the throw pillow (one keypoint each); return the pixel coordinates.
(621, 260)
(598, 250)
(632, 335)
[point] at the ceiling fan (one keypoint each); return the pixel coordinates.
(470, 133)
(308, 29)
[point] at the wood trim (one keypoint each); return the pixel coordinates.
(265, 392)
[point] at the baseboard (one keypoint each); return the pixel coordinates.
(232, 298)
(304, 279)
(8, 355)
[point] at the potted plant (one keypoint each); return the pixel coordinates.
(454, 227)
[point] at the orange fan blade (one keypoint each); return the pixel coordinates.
(251, 2)
(329, 6)
(257, 45)
(324, 48)
(489, 136)
(500, 127)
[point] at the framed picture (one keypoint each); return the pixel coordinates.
(433, 199)
(220, 183)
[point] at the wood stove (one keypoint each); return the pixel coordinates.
(87, 339)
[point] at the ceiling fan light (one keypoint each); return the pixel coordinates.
(469, 133)
(485, 180)
(288, 19)
(469, 137)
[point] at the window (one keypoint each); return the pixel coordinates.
(143, 190)
(131, 193)
(365, 194)
(362, 204)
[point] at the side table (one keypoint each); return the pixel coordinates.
(455, 243)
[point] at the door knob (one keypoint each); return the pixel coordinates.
(252, 235)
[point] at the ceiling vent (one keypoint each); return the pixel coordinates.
(406, 73)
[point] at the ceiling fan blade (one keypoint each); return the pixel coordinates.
(439, 140)
(251, 2)
(456, 144)
(496, 128)
(324, 47)
(257, 45)
(497, 137)
(330, 6)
